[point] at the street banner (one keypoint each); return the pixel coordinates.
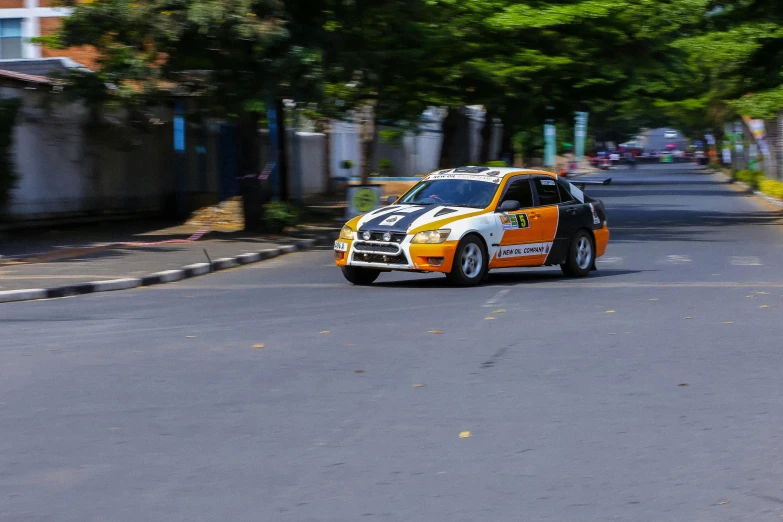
(549, 148)
(759, 132)
(361, 199)
(580, 133)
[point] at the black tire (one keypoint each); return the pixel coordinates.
(470, 262)
(581, 255)
(360, 276)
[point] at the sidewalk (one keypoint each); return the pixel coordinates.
(67, 262)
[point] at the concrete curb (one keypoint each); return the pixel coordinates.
(750, 189)
(167, 276)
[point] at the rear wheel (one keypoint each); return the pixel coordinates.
(470, 262)
(360, 276)
(581, 255)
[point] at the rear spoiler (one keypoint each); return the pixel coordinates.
(581, 184)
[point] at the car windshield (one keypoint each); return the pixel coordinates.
(453, 193)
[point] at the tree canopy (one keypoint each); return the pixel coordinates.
(630, 63)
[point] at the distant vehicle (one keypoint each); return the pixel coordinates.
(464, 222)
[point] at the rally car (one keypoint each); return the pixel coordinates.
(466, 221)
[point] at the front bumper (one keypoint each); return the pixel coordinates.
(394, 256)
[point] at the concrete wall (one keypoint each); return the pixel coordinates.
(65, 168)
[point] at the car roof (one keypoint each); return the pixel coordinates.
(491, 171)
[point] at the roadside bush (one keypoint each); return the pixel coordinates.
(279, 214)
(750, 177)
(772, 188)
(496, 164)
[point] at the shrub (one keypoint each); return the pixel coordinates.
(750, 177)
(496, 164)
(385, 166)
(280, 214)
(772, 188)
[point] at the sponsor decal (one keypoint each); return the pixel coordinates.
(596, 219)
(513, 221)
(505, 221)
(339, 246)
(484, 178)
(547, 182)
(530, 249)
(391, 220)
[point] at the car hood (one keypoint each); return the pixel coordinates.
(402, 218)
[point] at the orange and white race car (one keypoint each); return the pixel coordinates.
(466, 221)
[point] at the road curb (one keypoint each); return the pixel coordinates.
(166, 276)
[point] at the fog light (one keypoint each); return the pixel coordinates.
(435, 261)
(338, 256)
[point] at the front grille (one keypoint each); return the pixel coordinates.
(376, 235)
(369, 247)
(379, 258)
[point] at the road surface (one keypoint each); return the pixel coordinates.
(651, 391)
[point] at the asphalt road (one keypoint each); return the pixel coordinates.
(154, 405)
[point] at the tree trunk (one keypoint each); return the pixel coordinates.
(486, 137)
(282, 151)
(455, 150)
(507, 146)
(367, 133)
(248, 157)
(449, 127)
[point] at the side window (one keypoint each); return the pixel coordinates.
(547, 192)
(565, 195)
(519, 190)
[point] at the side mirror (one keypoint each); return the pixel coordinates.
(509, 205)
(391, 199)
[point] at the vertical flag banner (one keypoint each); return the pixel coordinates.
(759, 132)
(580, 133)
(549, 147)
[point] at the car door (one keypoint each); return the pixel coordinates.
(520, 244)
(573, 215)
(546, 212)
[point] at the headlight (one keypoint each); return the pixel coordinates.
(347, 233)
(432, 236)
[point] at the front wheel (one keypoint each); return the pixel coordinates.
(360, 276)
(581, 255)
(470, 262)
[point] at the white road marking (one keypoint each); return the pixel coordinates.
(745, 261)
(610, 260)
(496, 298)
(678, 259)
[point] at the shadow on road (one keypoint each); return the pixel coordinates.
(634, 223)
(506, 278)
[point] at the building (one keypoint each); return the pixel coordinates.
(22, 20)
